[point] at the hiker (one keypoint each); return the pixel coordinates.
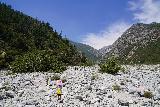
(59, 93)
(50, 89)
(59, 88)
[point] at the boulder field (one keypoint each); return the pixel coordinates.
(136, 86)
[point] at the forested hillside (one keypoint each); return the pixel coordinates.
(23, 38)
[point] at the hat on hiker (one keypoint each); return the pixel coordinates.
(59, 83)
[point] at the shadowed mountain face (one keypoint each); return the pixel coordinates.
(139, 44)
(91, 53)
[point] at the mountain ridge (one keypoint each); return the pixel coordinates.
(104, 50)
(137, 36)
(91, 53)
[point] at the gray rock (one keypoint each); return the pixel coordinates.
(1, 86)
(20, 93)
(28, 82)
(19, 105)
(123, 103)
(158, 89)
(1, 104)
(1, 97)
(31, 102)
(157, 97)
(29, 106)
(131, 90)
(79, 98)
(41, 90)
(10, 94)
(147, 104)
(89, 87)
(31, 89)
(110, 96)
(61, 101)
(140, 94)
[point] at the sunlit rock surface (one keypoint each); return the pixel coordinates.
(83, 87)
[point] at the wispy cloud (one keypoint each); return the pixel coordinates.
(107, 36)
(145, 11)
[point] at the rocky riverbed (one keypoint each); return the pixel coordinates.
(83, 87)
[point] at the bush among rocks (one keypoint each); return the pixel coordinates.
(148, 94)
(39, 61)
(110, 66)
(55, 77)
(79, 98)
(116, 87)
(94, 76)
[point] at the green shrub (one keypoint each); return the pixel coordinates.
(9, 73)
(86, 62)
(110, 66)
(55, 77)
(116, 87)
(40, 61)
(3, 63)
(148, 94)
(94, 76)
(123, 70)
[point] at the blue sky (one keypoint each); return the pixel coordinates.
(97, 23)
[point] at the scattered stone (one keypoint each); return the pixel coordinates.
(110, 96)
(10, 94)
(33, 89)
(20, 93)
(31, 102)
(123, 103)
(1, 97)
(79, 98)
(61, 101)
(1, 86)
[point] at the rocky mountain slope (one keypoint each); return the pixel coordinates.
(83, 87)
(103, 51)
(91, 53)
(139, 44)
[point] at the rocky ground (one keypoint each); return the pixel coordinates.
(83, 87)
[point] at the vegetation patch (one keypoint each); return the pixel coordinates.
(94, 76)
(55, 77)
(41, 61)
(110, 66)
(148, 94)
(116, 87)
(29, 45)
(2, 59)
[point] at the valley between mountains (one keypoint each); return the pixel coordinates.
(33, 56)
